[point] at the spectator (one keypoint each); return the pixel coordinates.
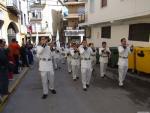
(15, 52)
(30, 53)
(4, 69)
(23, 53)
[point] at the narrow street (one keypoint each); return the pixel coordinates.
(103, 96)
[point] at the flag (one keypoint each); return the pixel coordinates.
(37, 39)
(57, 40)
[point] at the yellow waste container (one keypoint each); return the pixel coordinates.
(132, 59)
(143, 60)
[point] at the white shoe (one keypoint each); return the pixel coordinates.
(120, 84)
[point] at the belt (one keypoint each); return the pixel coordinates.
(123, 57)
(76, 58)
(85, 58)
(44, 59)
(104, 56)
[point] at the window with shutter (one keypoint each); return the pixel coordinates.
(106, 32)
(139, 32)
(103, 3)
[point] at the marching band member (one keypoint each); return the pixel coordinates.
(75, 62)
(124, 51)
(104, 56)
(68, 55)
(93, 55)
(86, 70)
(46, 67)
(57, 59)
(62, 55)
(52, 48)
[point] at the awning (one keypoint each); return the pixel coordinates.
(74, 32)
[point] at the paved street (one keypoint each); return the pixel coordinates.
(104, 96)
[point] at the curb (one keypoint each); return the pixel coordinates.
(114, 73)
(12, 89)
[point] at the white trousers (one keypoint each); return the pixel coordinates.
(75, 71)
(69, 65)
(47, 80)
(86, 76)
(103, 68)
(62, 59)
(57, 63)
(122, 73)
(93, 62)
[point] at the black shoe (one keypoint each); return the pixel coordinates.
(77, 77)
(87, 85)
(53, 91)
(84, 89)
(44, 96)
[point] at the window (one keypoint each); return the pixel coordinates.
(33, 14)
(103, 3)
(106, 32)
(25, 19)
(139, 32)
(21, 18)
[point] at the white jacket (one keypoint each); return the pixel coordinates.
(44, 53)
(103, 55)
(123, 56)
(85, 54)
(75, 60)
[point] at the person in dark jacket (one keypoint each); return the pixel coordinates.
(4, 69)
(23, 53)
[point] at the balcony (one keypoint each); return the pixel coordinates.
(83, 18)
(12, 5)
(36, 16)
(72, 16)
(83, 0)
(71, 3)
(40, 4)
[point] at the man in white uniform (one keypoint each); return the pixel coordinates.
(62, 55)
(104, 56)
(75, 62)
(124, 51)
(57, 59)
(93, 55)
(68, 55)
(86, 69)
(46, 67)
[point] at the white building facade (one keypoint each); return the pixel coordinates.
(111, 20)
(45, 17)
(24, 21)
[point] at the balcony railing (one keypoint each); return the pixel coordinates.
(36, 17)
(39, 29)
(13, 6)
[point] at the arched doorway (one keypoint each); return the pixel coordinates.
(12, 31)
